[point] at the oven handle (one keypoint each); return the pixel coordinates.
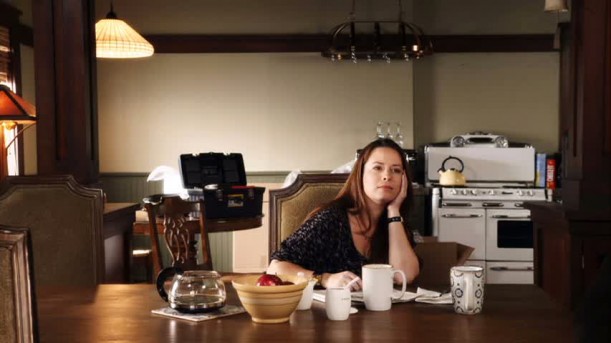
(492, 204)
(456, 204)
(503, 216)
(451, 215)
(511, 269)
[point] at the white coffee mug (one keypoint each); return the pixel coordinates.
(467, 289)
(306, 298)
(378, 286)
(337, 303)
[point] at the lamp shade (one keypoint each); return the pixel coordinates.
(555, 5)
(13, 109)
(114, 38)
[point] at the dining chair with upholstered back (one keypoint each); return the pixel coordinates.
(288, 207)
(178, 219)
(65, 221)
(17, 303)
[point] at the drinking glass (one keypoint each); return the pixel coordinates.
(398, 135)
(389, 130)
(380, 130)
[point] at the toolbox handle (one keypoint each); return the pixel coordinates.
(241, 187)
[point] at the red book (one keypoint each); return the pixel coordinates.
(550, 175)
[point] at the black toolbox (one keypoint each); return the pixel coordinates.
(221, 180)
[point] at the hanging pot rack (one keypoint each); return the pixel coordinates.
(388, 40)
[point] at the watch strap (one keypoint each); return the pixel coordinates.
(395, 219)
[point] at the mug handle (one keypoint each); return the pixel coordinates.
(404, 283)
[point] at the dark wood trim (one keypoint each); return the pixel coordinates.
(66, 135)
(494, 43)
(23, 34)
(194, 43)
(9, 15)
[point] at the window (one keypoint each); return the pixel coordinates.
(10, 155)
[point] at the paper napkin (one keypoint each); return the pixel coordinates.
(224, 311)
(422, 296)
(432, 297)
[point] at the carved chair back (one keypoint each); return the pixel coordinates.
(178, 220)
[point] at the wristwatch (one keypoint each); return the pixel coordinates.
(395, 219)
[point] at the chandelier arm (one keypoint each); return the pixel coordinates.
(337, 31)
(416, 32)
(352, 16)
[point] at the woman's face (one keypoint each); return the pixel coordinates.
(382, 175)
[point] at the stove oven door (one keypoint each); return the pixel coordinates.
(509, 235)
(466, 226)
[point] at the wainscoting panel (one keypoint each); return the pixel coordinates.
(128, 187)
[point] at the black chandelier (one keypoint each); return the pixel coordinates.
(369, 40)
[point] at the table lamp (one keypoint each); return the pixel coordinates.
(14, 110)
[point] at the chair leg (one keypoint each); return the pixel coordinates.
(144, 259)
(149, 268)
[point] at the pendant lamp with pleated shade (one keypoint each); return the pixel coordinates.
(114, 38)
(556, 6)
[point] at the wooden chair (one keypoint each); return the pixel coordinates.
(65, 221)
(177, 217)
(288, 207)
(17, 303)
(144, 258)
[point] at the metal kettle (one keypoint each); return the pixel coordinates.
(452, 177)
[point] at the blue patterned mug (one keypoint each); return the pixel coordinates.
(467, 289)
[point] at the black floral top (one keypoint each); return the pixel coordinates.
(323, 244)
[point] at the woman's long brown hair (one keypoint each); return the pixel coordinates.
(352, 198)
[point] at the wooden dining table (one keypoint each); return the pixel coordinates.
(122, 313)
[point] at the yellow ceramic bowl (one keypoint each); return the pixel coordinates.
(270, 304)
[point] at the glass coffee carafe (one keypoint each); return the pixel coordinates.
(192, 291)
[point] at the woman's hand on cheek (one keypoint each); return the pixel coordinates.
(395, 205)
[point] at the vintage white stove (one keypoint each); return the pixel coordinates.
(488, 212)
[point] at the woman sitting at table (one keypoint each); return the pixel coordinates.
(363, 224)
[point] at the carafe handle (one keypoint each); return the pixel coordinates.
(163, 275)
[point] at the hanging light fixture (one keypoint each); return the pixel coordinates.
(114, 38)
(377, 40)
(14, 110)
(555, 6)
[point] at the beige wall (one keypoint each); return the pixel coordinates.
(513, 94)
(299, 111)
(246, 16)
(281, 111)
(443, 17)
